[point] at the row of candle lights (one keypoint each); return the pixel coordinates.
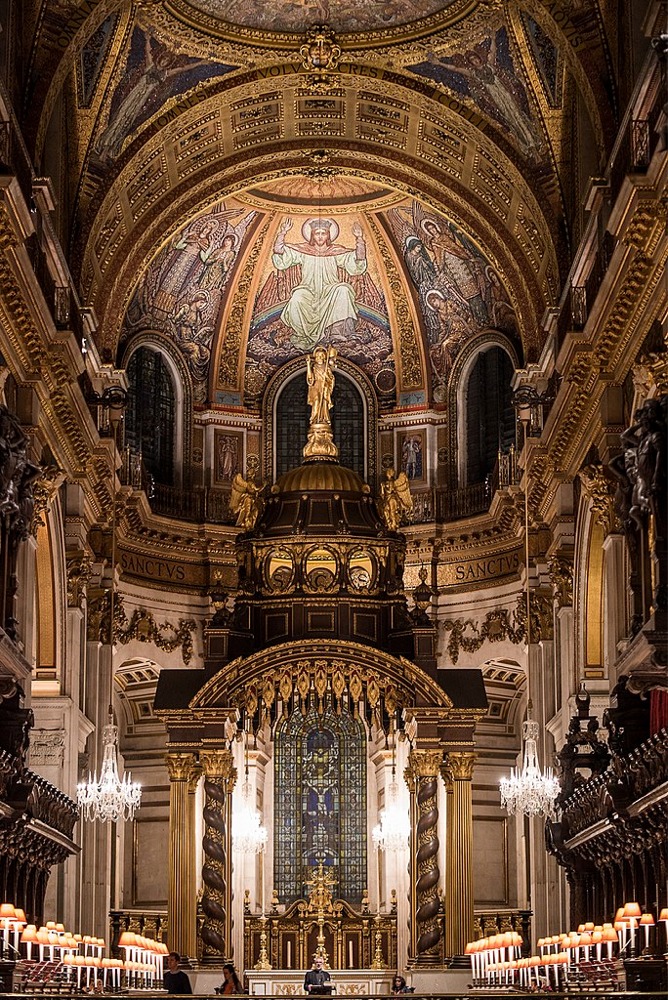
(495, 960)
(144, 957)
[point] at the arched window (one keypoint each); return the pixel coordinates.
(320, 803)
(151, 413)
(490, 417)
(292, 420)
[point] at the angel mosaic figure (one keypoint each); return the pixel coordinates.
(246, 501)
(395, 499)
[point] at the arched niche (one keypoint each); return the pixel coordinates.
(288, 379)
(459, 405)
(182, 388)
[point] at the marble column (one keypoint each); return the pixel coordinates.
(181, 893)
(459, 852)
(423, 771)
(219, 778)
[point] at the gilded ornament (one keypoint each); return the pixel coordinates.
(246, 501)
(425, 763)
(599, 487)
(561, 578)
(460, 765)
(394, 501)
(180, 765)
(320, 381)
(218, 764)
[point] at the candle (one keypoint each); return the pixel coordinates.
(289, 949)
(350, 954)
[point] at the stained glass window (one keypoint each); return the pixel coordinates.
(320, 803)
(150, 415)
(292, 420)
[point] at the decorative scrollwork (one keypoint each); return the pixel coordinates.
(500, 626)
(143, 627)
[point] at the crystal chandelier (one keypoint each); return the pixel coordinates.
(391, 833)
(530, 791)
(108, 799)
(248, 834)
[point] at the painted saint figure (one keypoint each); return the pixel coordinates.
(321, 299)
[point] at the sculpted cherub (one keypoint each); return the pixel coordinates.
(246, 500)
(395, 499)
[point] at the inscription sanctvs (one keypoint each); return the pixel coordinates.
(156, 569)
(477, 570)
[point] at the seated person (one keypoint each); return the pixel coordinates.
(230, 982)
(399, 986)
(317, 980)
(175, 979)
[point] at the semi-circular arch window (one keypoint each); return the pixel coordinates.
(490, 417)
(150, 414)
(292, 420)
(320, 804)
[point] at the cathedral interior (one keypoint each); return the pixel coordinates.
(333, 471)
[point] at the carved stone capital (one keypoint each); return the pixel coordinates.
(460, 764)
(599, 488)
(218, 764)
(79, 568)
(561, 578)
(180, 765)
(425, 763)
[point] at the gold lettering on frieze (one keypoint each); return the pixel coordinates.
(154, 569)
(455, 574)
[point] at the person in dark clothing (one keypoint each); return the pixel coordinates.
(317, 980)
(175, 979)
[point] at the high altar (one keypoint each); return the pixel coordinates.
(321, 687)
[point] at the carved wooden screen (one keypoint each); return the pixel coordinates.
(320, 803)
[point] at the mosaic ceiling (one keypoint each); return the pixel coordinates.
(342, 15)
(399, 289)
(428, 143)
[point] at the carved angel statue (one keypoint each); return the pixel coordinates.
(395, 499)
(246, 501)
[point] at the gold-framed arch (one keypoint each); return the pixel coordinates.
(293, 669)
(291, 370)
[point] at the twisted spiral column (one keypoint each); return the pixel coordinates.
(219, 777)
(458, 773)
(181, 889)
(424, 766)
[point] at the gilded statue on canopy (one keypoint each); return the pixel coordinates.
(320, 381)
(395, 499)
